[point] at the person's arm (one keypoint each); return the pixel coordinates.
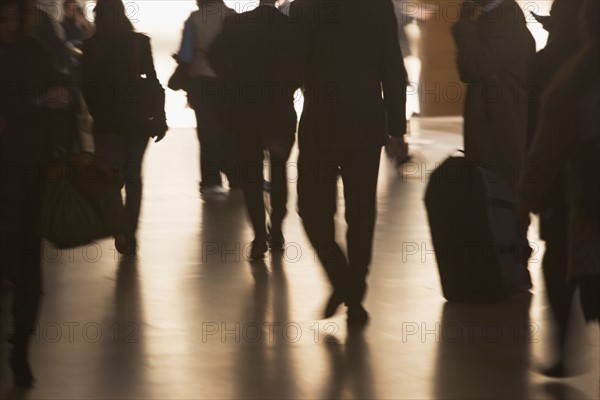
(394, 82)
(394, 76)
(186, 50)
(302, 20)
(221, 50)
(150, 71)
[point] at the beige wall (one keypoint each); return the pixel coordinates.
(440, 89)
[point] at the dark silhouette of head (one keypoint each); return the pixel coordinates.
(201, 2)
(111, 18)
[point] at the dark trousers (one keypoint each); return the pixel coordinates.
(251, 153)
(216, 143)
(20, 255)
(317, 203)
(126, 153)
(553, 230)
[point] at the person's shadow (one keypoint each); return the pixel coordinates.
(265, 364)
(484, 350)
(124, 354)
(350, 367)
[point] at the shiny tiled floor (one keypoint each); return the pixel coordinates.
(193, 319)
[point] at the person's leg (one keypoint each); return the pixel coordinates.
(230, 162)
(251, 161)
(279, 190)
(360, 170)
(110, 152)
(553, 229)
(317, 197)
(204, 98)
(135, 148)
(21, 253)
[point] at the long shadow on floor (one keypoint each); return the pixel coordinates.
(484, 350)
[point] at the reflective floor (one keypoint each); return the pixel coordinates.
(192, 318)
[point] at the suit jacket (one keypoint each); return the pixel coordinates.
(346, 56)
(248, 56)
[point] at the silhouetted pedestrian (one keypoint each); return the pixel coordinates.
(346, 53)
(495, 50)
(122, 92)
(566, 146)
(25, 150)
(564, 41)
(217, 148)
(248, 55)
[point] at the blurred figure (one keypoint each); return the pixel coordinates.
(343, 128)
(217, 152)
(248, 55)
(25, 150)
(114, 60)
(77, 27)
(564, 41)
(495, 50)
(49, 31)
(44, 25)
(566, 146)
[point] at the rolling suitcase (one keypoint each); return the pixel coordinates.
(474, 232)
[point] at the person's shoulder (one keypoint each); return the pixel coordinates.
(140, 36)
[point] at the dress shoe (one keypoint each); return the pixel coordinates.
(334, 302)
(126, 247)
(357, 316)
(258, 250)
(276, 240)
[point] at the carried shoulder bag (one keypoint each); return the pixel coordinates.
(146, 109)
(82, 199)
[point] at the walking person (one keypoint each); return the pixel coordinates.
(248, 55)
(565, 153)
(217, 150)
(117, 66)
(564, 42)
(495, 50)
(347, 52)
(25, 151)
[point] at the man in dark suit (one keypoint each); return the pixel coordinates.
(347, 52)
(248, 55)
